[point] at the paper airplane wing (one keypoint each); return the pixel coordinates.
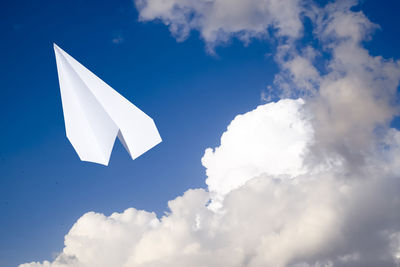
(95, 114)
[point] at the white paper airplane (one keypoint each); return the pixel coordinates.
(95, 114)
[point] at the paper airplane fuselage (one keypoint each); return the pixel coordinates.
(95, 114)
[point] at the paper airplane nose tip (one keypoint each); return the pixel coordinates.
(55, 46)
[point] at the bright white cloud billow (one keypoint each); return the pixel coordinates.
(271, 140)
(311, 181)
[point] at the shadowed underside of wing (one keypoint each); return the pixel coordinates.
(95, 114)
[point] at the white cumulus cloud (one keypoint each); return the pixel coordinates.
(326, 218)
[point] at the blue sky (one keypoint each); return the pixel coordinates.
(191, 95)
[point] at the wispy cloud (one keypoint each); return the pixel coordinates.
(218, 21)
(118, 39)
